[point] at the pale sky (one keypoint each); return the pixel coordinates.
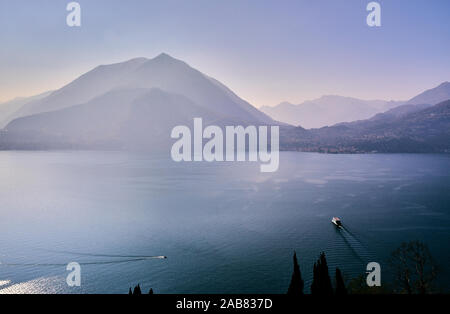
(265, 51)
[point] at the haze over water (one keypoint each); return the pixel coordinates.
(225, 227)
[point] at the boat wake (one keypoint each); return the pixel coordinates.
(117, 259)
(108, 255)
(81, 263)
(355, 245)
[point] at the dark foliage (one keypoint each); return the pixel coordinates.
(340, 285)
(414, 268)
(137, 290)
(321, 284)
(296, 285)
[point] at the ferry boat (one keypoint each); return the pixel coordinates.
(336, 221)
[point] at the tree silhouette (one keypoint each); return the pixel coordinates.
(414, 267)
(321, 284)
(130, 292)
(151, 291)
(296, 285)
(340, 285)
(137, 290)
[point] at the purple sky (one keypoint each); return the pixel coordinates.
(265, 51)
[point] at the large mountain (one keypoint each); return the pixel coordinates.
(328, 110)
(133, 104)
(119, 119)
(163, 72)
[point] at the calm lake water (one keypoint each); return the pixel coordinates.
(225, 227)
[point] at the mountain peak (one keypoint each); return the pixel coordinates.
(163, 56)
(164, 59)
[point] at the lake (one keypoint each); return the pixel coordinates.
(225, 227)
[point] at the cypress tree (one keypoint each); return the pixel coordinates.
(326, 286)
(137, 290)
(315, 283)
(340, 286)
(321, 278)
(296, 285)
(151, 291)
(130, 292)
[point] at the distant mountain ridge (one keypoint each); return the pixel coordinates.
(9, 109)
(423, 131)
(328, 110)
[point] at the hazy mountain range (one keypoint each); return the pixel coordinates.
(420, 125)
(330, 110)
(135, 104)
(418, 131)
(9, 109)
(327, 110)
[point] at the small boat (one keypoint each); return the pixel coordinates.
(336, 221)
